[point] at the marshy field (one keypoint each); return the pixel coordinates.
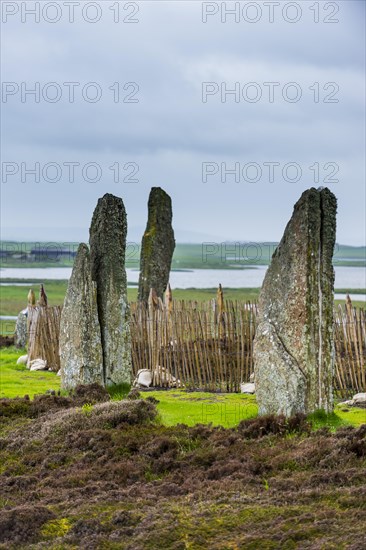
(245, 261)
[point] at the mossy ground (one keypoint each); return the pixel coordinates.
(17, 380)
(191, 408)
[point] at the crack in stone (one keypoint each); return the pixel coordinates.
(286, 350)
(298, 287)
(320, 302)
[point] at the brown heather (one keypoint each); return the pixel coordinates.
(109, 475)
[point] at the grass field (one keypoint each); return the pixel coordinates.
(14, 298)
(7, 328)
(175, 406)
(17, 381)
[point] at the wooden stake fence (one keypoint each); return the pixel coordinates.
(43, 334)
(209, 345)
(206, 345)
(350, 349)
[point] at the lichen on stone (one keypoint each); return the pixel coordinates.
(157, 245)
(296, 304)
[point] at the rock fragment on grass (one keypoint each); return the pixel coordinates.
(37, 364)
(247, 388)
(22, 360)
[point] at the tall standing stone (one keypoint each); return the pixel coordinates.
(80, 340)
(293, 346)
(157, 245)
(108, 232)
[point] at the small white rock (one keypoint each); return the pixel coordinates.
(144, 378)
(356, 399)
(38, 364)
(162, 374)
(359, 398)
(247, 387)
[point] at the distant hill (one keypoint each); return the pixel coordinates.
(208, 254)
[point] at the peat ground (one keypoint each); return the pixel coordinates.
(86, 472)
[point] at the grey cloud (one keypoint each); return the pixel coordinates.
(170, 132)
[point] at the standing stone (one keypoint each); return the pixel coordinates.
(21, 324)
(293, 346)
(108, 232)
(21, 329)
(157, 245)
(80, 340)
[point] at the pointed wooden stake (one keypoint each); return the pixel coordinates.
(31, 298)
(168, 299)
(220, 299)
(42, 297)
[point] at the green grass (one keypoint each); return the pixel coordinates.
(17, 380)
(190, 408)
(351, 415)
(7, 328)
(119, 392)
(341, 416)
(175, 406)
(355, 303)
(204, 294)
(14, 298)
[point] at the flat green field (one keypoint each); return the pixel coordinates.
(14, 298)
(186, 256)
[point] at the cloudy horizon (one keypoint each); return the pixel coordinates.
(233, 119)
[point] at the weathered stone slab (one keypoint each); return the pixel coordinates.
(80, 338)
(157, 245)
(293, 346)
(21, 330)
(108, 233)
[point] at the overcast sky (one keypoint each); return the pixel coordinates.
(169, 129)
